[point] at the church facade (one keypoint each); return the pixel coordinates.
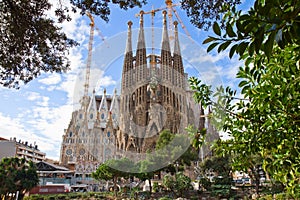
(154, 96)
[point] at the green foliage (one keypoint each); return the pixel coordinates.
(198, 136)
(221, 168)
(27, 49)
(165, 198)
(183, 183)
(264, 123)
(16, 175)
(165, 137)
(156, 187)
(220, 190)
(101, 8)
(73, 195)
(169, 182)
(103, 172)
(113, 169)
(205, 183)
(257, 31)
(177, 184)
(203, 12)
(173, 151)
(280, 196)
(219, 165)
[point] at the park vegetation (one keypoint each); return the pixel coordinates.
(263, 120)
(16, 177)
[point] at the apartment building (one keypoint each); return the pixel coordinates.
(22, 149)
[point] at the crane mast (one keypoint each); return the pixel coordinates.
(90, 49)
(169, 4)
(89, 59)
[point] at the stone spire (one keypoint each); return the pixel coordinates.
(129, 41)
(176, 43)
(165, 37)
(114, 109)
(141, 60)
(103, 110)
(166, 59)
(177, 64)
(141, 38)
(92, 112)
(128, 60)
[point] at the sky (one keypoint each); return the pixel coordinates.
(40, 111)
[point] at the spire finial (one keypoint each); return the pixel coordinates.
(165, 36)
(128, 44)
(142, 17)
(176, 44)
(104, 91)
(175, 24)
(129, 24)
(165, 17)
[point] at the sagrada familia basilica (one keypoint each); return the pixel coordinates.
(154, 96)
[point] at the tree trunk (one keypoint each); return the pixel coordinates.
(257, 180)
(150, 186)
(257, 185)
(115, 186)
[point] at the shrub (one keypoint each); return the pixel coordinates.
(165, 198)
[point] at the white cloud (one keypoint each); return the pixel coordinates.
(52, 79)
(42, 124)
(44, 102)
(33, 96)
(14, 127)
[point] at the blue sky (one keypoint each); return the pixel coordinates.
(41, 110)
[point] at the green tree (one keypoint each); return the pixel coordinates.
(250, 164)
(17, 176)
(178, 184)
(114, 169)
(183, 183)
(174, 150)
(215, 174)
(203, 12)
(31, 43)
(265, 122)
(145, 171)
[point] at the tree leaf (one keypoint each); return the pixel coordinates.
(268, 46)
(223, 46)
(251, 48)
(242, 47)
(232, 50)
(229, 31)
(243, 83)
(209, 39)
(212, 46)
(217, 29)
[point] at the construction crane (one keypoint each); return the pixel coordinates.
(89, 61)
(170, 9)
